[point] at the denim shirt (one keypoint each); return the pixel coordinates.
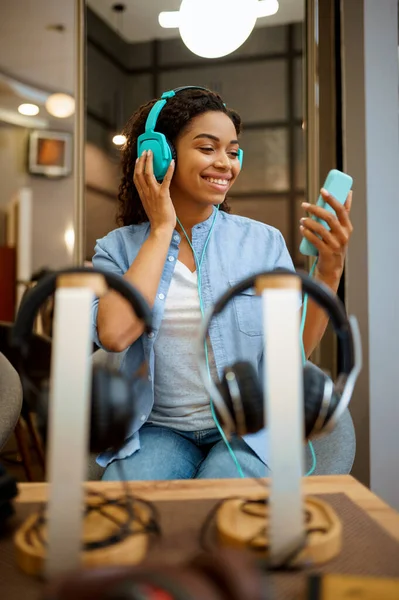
(238, 248)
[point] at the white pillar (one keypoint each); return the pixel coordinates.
(371, 154)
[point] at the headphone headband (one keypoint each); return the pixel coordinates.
(346, 330)
(28, 310)
(158, 106)
(321, 294)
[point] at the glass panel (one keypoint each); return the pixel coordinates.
(104, 80)
(298, 258)
(298, 75)
(298, 36)
(272, 211)
(265, 165)
(300, 167)
(97, 134)
(139, 56)
(261, 94)
(104, 37)
(138, 91)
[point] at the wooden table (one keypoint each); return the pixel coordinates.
(167, 493)
(196, 489)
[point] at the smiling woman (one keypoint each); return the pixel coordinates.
(181, 248)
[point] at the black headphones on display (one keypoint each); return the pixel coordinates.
(239, 398)
(112, 395)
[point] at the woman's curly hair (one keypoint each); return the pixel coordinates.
(172, 121)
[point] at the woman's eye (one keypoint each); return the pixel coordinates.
(207, 149)
(235, 154)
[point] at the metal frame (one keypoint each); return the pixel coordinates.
(79, 132)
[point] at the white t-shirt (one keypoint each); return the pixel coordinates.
(181, 401)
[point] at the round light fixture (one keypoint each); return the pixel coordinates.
(213, 29)
(119, 139)
(60, 105)
(30, 110)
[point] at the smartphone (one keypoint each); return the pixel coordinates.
(338, 184)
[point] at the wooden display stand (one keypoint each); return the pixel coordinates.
(31, 540)
(248, 528)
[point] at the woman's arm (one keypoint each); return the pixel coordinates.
(332, 246)
(316, 317)
(117, 325)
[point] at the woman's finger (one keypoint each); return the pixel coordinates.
(168, 176)
(332, 241)
(149, 171)
(139, 178)
(319, 244)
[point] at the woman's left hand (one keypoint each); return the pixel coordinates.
(331, 245)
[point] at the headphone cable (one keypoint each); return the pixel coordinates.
(302, 327)
(199, 281)
(304, 360)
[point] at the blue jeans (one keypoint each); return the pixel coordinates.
(166, 453)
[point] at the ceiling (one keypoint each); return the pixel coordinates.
(30, 51)
(35, 60)
(140, 19)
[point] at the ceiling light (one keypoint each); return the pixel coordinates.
(60, 105)
(169, 19)
(30, 110)
(230, 25)
(119, 140)
(267, 8)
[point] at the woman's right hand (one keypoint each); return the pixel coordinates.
(155, 196)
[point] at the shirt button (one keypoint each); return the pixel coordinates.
(142, 418)
(161, 296)
(176, 237)
(171, 258)
(151, 334)
(149, 378)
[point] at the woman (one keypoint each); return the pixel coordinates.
(181, 248)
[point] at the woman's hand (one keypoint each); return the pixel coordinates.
(155, 196)
(331, 245)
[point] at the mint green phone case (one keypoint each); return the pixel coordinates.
(338, 184)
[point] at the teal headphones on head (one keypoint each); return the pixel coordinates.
(162, 149)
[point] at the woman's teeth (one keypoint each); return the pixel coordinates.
(218, 181)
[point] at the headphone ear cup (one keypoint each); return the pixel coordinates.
(162, 151)
(161, 165)
(173, 152)
(314, 388)
(112, 408)
(240, 156)
(251, 397)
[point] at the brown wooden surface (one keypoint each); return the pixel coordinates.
(197, 489)
(370, 529)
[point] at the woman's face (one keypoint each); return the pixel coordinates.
(207, 159)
